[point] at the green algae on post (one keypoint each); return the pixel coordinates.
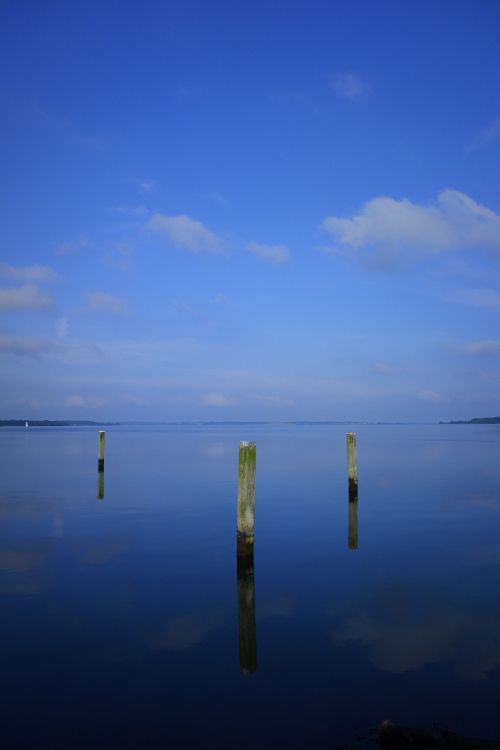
(352, 468)
(100, 450)
(246, 497)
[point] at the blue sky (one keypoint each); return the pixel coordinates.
(231, 210)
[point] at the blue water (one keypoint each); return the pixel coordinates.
(119, 616)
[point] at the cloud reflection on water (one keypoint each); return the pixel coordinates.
(406, 634)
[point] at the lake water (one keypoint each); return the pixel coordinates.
(119, 618)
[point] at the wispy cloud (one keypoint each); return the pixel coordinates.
(136, 354)
(27, 110)
(428, 395)
(79, 401)
(18, 346)
(74, 246)
(182, 633)
(277, 401)
(277, 254)
(102, 302)
(185, 232)
(383, 367)
(62, 327)
(133, 353)
(388, 229)
(133, 399)
(486, 136)
(219, 299)
(349, 86)
(476, 297)
(486, 347)
(36, 272)
(26, 297)
(134, 212)
(217, 399)
(120, 256)
(147, 185)
(215, 197)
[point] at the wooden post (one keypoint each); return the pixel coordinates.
(352, 468)
(246, 498)
(352, 474)
(352, 536)
(100, 485)
(246, 614)
(100, 450)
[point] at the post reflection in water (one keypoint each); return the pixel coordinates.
(352, 538)
(100, 485)
(246, 612)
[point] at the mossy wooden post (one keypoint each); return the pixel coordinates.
(352, 468)
(100, 450)
(246, 614)
(100, 464)
(246, 499)
(352, 475)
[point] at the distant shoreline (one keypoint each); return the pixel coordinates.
(53, 423)
(227, 423)
(195, 423)
(476, 420)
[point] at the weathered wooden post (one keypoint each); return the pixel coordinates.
(246, 614)
(100, 450)
(246, 499)
(352, 474)
(244, 553)
(100, 464)
(100, 485)
(352, 469)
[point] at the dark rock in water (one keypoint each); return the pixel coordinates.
(393, 737)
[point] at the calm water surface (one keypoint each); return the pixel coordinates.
(119, 617)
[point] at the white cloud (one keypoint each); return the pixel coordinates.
(485, 347)
(217, 399)
(185, 232)
(102, 302)
(18, 346)
(70, 248)
(486, 136)
(277, 254)
(147, 186)
(349, 86)
(26, 297)
(390, 228)
(36, 272)
(62, 327)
